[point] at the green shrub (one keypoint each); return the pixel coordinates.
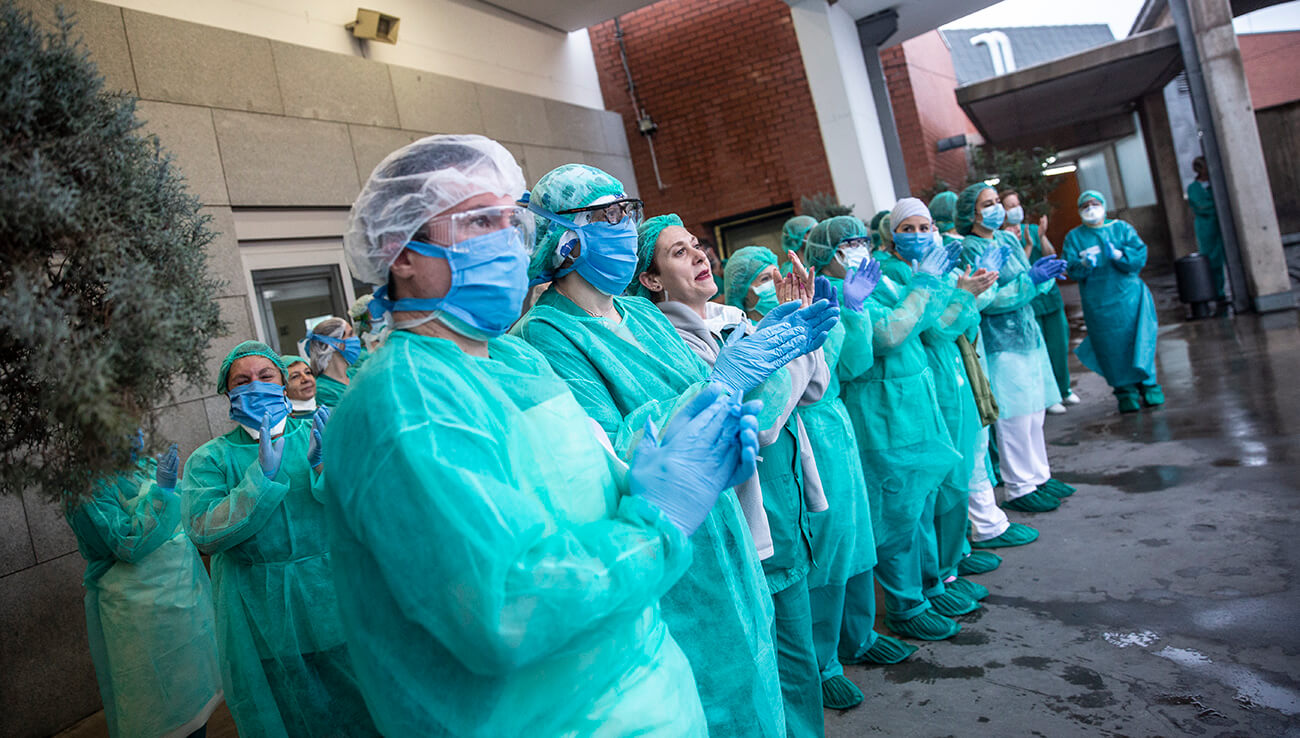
(823, 205)
(106, 302)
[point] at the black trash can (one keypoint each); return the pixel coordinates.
(1195, 284)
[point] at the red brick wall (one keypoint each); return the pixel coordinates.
(725, 83)
(921, 81)
(1270, 60)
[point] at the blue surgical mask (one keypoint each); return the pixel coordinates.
(250, 402)
(607, 258)
(489, 280)
(913, 246)
(993, 216)
(1016, 215)
(348, 348)
(766, 298)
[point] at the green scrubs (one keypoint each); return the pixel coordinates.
(1209, 239)
(1049, 309)
(329, 391)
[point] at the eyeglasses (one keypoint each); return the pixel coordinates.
(855, 242)
(612, 212)
(452, 231)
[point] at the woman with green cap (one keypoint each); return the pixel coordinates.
(625, 364)
(252, 499)
(1019, 369)
(1106, 256)
(792, 235)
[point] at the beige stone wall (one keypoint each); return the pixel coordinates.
(251, 123)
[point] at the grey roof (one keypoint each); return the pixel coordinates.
(1029, 44)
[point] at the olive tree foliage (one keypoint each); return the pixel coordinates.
(106, 302)
(823, 205)
(1016, 169)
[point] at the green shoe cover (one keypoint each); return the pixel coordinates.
(838, 693)
(928, 626)
(888, 650)
(966, 588)
(979, 562)
(1034, 502)
(1153, 395)
(1056, 488)
(952, 603)
(1017, 534)
(1129, 404)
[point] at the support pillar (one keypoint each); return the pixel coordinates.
(1164, 166)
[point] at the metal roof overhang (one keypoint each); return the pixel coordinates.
(1076, 100)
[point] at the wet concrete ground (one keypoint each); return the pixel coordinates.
(1161, 598)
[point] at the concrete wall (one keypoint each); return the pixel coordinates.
(1279, 130)
(252, 122)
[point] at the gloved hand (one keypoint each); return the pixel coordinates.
(934, 263)
(1048, 267)
(316, 446)
(710, 445)
(1090, 255)
(993, 258)
(860, 283)
(816, 320)
(169, 465)
(747, 361)
(778, 314)
(269, 452)
(954, 254)
(1116, 253)
(824, 290)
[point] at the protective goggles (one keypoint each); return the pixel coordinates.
(610, 212)
(854, 242)
(452, 232)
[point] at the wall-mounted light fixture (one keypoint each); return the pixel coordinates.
(372, 25)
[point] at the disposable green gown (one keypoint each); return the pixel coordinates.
(496, 579)
(903, 441)
(148, 603)
(1049, 309)
(944, 531)
(1020, 370)
(1209, 239)
(1117, 306)
(329, 391)
(285, 666)
(643, 369)
(355, 366)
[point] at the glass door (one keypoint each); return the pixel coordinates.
(295, 299)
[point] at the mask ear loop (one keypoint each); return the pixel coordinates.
(549, 275)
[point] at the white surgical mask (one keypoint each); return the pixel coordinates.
(1093, 215)
(853, 258)
(1016, 215)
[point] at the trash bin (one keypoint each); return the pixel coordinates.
(1195, 284)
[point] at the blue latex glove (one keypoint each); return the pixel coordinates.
(269, 452)
(169, 466)
(954, 254)
(824, 290)
(747, 361)
(860, 283)
(934, 263)
(1046, 268)
(778, 314)
(816, 321)
(137, 444)
(993, 259)
(710, 444)
(316, 446)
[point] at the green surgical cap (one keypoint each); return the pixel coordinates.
(794, 230)
(825, 238)
(565, 188)
(966, 207)
(886, 230)
(943, 208)
(249, 348)
(289, 360)
(1090, 195)
(742, 269)
(647, 234)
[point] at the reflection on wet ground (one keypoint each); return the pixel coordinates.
(1160, 598)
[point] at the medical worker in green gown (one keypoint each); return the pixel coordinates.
(499, 566)
(624, 362)
(148, 604)
(902, 441)
(252, 499)
(793, 232)
(909, 237)
(1205, 219)
(989, 526)
(1105, 256)
(333, 348)
(1020, 370)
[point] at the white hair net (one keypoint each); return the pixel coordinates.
(319, 352)
(906, 208)
(414, 184)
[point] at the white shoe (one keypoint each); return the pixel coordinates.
(1072, 399)
(1057, 409)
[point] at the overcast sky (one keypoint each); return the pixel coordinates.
(1118, 14)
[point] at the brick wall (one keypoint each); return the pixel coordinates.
(1270, 60)
(725, 83)
(921, 81)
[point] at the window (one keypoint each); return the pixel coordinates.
(291, 301)
(762, 228)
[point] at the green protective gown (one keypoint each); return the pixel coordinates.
(622, 376)
(1049, 309)
(843, 543)
(149, 615)
(496, 579)
(903, 442)
(329, 391)
(1020, 371)
(285, 665)
(943, 528)
(355, 366)
(1209, 239)
(1117, 306)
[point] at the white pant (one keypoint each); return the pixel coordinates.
(1022, 454)
(986, 519)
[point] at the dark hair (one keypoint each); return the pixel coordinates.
(1004, 194)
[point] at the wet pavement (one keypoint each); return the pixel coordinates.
(1160, 599)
